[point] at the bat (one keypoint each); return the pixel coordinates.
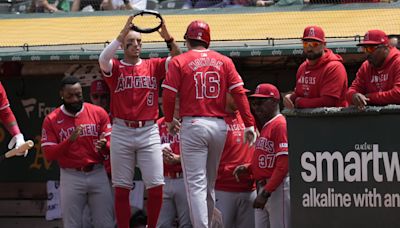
(26, 146)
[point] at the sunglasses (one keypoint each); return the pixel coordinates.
(99, 96)
(312, 44)
(370, 49)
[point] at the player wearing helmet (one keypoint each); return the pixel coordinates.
(202, 78)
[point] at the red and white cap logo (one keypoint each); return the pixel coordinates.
(311, 32)
(374, 37)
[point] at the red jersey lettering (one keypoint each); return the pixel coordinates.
(59, 125)
(382, 85)
(271, 143)
(203, 77)
(134, 88)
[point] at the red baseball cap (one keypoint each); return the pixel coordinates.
(98, 87)
(266, 91)
(314, 33)
(374, 37)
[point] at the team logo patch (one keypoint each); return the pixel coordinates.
(366, 36)
(311, 32)
(283, 145)
(258, 89)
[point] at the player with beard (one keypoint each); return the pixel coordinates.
(321, 81)
(377, 81)
(70, 135)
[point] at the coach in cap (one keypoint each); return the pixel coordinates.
(321, 80)
(378, 80)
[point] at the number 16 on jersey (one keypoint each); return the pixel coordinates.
(207, 84)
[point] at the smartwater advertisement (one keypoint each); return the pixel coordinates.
(345, 171)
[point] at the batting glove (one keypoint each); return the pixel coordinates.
(17, 141)
(250, 135)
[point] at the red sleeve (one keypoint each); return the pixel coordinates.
(53, 152)
(391, 96)
(281, 164)
(160, 66)
(168, 97)
(3, 98)
(233, 78)
(334, 80)
(358, 85)
(52, 149)
(6, 114)
(325, 101)
(280, 171)
(235, 87)
(172, 81)
(243, 106)
(9, 121)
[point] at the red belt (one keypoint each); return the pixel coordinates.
(138, 124)
(173, 175)
(86, 169)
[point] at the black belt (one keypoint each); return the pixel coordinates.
(86, 169)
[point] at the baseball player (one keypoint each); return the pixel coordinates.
(269, 165)
(175, 207)
(202, 78)
(10, 123)
(100, 96)
(70, 135)
(234, 198)
(377, 81)
(321, 81)
(135, 140)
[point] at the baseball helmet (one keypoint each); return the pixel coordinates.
(198, 30)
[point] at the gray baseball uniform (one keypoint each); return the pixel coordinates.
(276, 213)
(202, 78)
(80, 188)
(204, 137)
(175, 208)
(236, 208)
(83, 179)
(235, 199)
(142, 150)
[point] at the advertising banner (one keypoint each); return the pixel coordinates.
(345, 170)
